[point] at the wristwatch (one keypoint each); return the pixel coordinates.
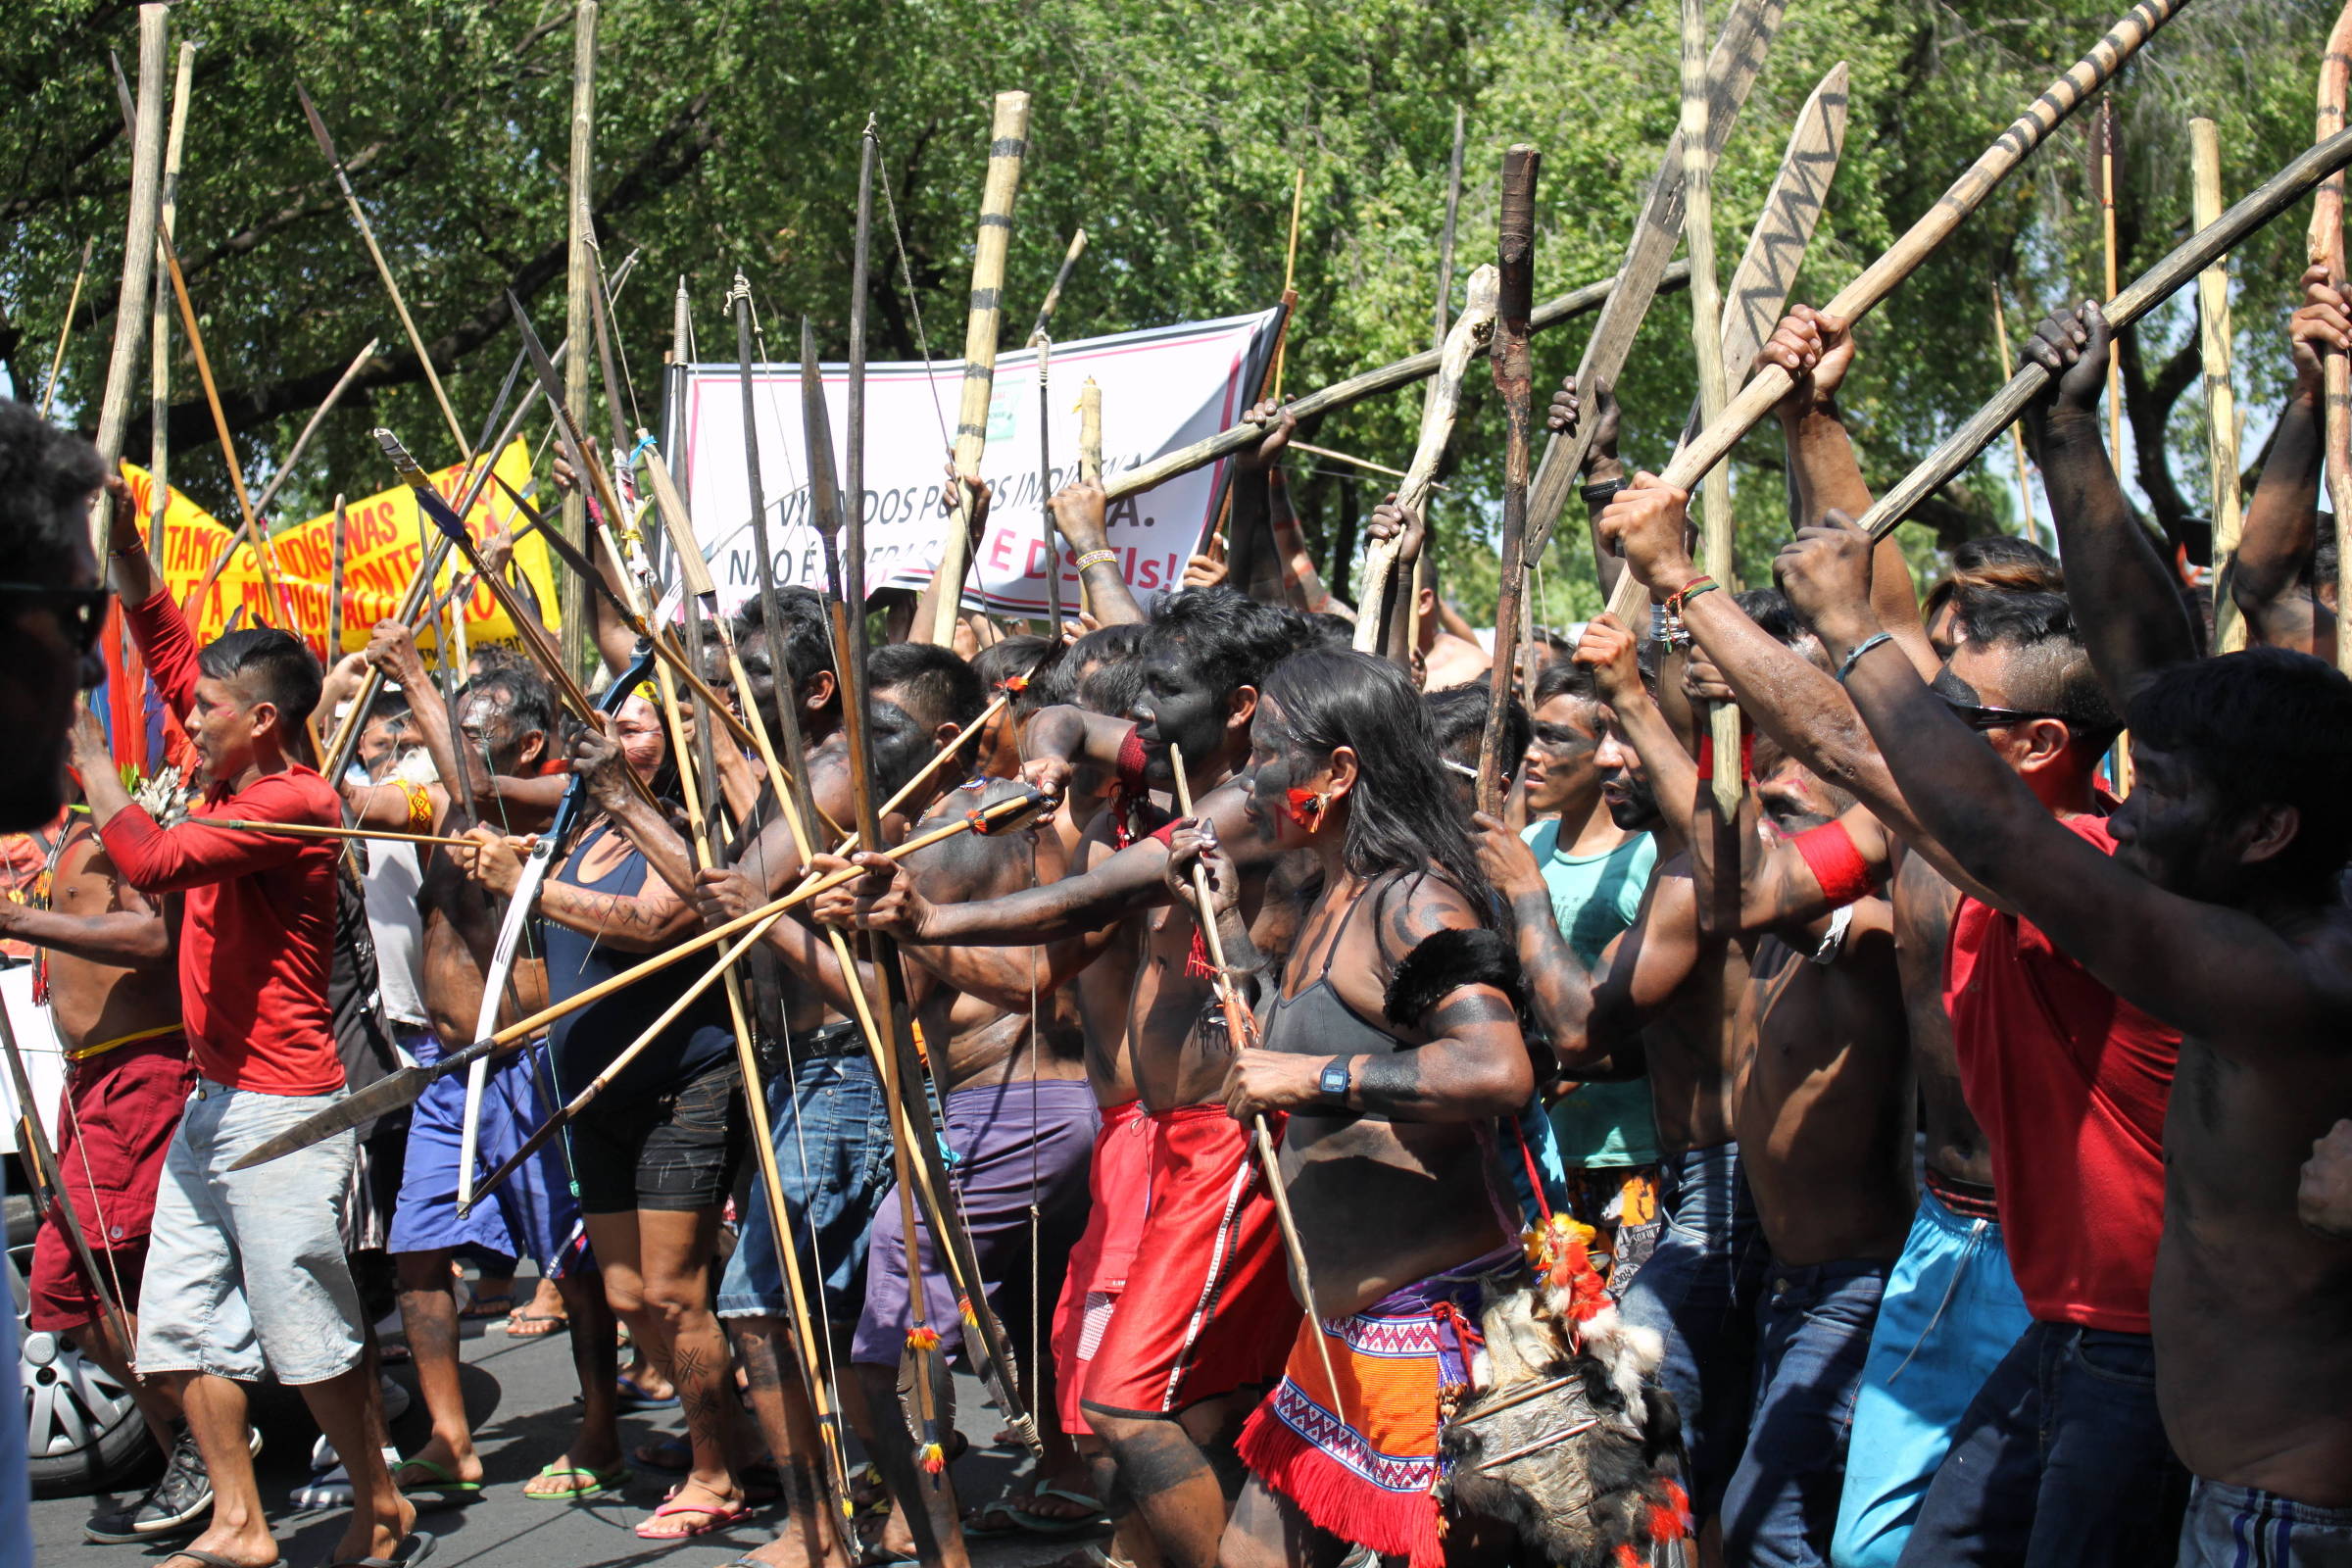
(1334, 1082)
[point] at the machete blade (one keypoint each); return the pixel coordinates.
(379, 1098)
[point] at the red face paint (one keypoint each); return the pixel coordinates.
(1305, 808)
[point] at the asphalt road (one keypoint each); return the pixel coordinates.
(520, 1394)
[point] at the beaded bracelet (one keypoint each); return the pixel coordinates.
(1096, 558)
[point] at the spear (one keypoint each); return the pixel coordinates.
(1714, 382)
(2327, 248)
(1770, 384)
(159, 321)
(1069, 264)
(2215, 340)
(1007, 144)
(1514, 298)
(1045, 481)
(65, 331)
(138, 250)
(2159, 283)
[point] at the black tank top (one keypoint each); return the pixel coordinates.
(1318, 1021)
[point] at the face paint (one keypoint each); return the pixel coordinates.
(1178, 708)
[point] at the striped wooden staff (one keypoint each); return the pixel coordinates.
(1007, 144)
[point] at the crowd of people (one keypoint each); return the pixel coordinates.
(1769, 1160)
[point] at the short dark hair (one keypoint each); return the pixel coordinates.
(807, 632)
(934, 684)
(1112, 688)
(1770, 609)
(1325, 629)
(271, 663)
(530, 702)
(2263, 727)
(486, 657)
(46, 476)
(1232, 638)
(1565, 677)
(2001, 561)
(1012, 658)
(1458, 715)
(2048, 669)
(1110, 647)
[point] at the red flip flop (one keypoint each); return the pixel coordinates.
(716, 1516)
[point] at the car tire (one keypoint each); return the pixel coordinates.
(83, 1433)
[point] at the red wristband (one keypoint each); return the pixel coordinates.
(1836, 863)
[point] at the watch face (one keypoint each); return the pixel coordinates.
(1335, 1078)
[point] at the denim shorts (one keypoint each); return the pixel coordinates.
(675, 1151)
(832, 1143)
(246, 1274)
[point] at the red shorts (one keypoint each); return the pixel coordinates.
(1120, 1187)
(1208, 1306)
(122, 1110)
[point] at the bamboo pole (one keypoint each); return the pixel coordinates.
(2115, 362)
(1765, 389)
(1009, 143)
(1514, 384)
(580, 281)
(340, 546)
(1290, 278)
(2174, 272)
(159, 318)
(1090, 461)
(2017, 433)
(1438, 320)
(1053, 300)
(139, 252)
(306, 830)
(2215, 342)
(1714, 382)
(2327, 248)
(65, 331)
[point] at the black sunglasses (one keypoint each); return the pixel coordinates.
(81, 611)
(1984, 718)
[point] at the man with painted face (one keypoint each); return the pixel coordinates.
(2059, 1456)
(1170, 1381)
(505, 723)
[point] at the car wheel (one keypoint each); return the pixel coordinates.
(82, 1430)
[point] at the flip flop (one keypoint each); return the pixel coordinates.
(523, 1324)
(413, 1548)
(975, 1527)
(634, 1397)
(716, 1516)
(487, 1306)
(438, 1478)
(210, 1559)
(1046, 1525)
(668, 1454)
(598, 1481)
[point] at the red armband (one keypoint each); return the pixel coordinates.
(1836, 863)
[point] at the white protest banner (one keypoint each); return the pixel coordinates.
(1162, 389)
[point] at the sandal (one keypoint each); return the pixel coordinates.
(524, 1324)
(587, 1483)
(671, 1454)
(716, 1516)
(1095, 1517)
(634, 1397)
(486, 1306)
(439, 1480)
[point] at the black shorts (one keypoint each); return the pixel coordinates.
(675, 1151)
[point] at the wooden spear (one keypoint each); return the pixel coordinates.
(579, 286)
(2215, 342)
(1045, 481)
(139, 252)
(1765, 389)
(1714, 383)
(65, 331)
(1514, 383)
(1732, 68)
(1008, 143)
(1469, 332)
(2174, 272)
(1069, 264)
(2327, 248)
(159, 321)
(340, 546)
(2017, 433)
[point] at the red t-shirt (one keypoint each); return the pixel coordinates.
(257, 932)
(2070, 1083)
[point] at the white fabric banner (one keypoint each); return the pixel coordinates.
(1162, 389)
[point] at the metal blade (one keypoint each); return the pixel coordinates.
(379, 1098)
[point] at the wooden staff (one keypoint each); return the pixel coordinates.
(2168, 277)
(2115, 362)
(65, 331)
(139, 252)
(2215, 345)
(2327, 249)
(159, 319)
(1714, 382)
(579, 289)
(1008, 143)
(334, 585)
(1468, 334)
(1765, 389)
(1738, 55)
(1289, 280)
(1514, 384)
(1355, 388)
(1241, 1027)
(2017, 433)
(1090, 459)
(1069, 264)
(1044, 480)
(1444, 303)
(384, 268)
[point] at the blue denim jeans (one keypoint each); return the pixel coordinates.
(1698, 1291)
(832, 1143)
(1812, 1337)
(2060, 1462)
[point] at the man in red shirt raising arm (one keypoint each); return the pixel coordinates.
(246, 1273)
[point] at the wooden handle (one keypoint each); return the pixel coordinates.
(2213, 345)
(1009, 143)
(138, 250)
(1717, 524)
(1514, 383)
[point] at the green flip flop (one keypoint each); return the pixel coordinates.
(439, 1480)
(590, 1483)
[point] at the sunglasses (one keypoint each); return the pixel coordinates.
(80, 611)
(1984, 718)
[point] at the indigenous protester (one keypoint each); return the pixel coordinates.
(246, 1273)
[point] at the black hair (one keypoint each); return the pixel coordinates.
(1564, 677)
(391, 706)
(1404, 815)
(1111, 689)
(1231, 638)
(274, 666)
(2263, 727)
(489, 657)
(528, 702)
(46, 476)
(2000, 562)
(807, 632)
(2048, 671)
(1012, 658)
(1770, 610)
(1325, 629)
(932, 684)
(1457, 718)
(1109, 647)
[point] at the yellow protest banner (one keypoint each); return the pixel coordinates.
(385, 539)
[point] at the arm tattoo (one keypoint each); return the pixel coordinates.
(1385, 1085)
